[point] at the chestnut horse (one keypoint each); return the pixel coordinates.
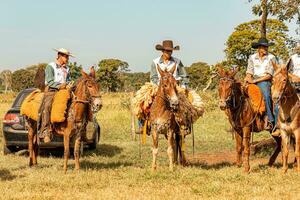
(289, 116)
(162, 117)
(241, 115)
(85, 100)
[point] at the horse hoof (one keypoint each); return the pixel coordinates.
(284, 170)
(247, 170)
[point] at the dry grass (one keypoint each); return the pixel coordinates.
(116, 171)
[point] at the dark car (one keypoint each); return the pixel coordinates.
(15, 133)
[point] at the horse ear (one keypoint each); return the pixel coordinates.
(85, 75)
(275, 66)
(220, 71)
(233, 71)
(172, 70)
(160, 71)
(92, 72)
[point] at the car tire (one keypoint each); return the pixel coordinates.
(96, 140)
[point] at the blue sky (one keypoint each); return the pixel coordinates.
(128, 30)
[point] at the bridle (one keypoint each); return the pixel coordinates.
(90, 98)
(165, 96)
(230, 101)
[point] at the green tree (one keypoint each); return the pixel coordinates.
(199, 74)
(111, 73)
(238, 46)
(284, 10)
(75, 71)
(134, 81)
(6, 79)
(25, 78)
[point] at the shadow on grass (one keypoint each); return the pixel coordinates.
(207, 166)
(98, 165)
(105, 150)
(5, 175)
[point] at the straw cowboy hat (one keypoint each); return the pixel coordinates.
(261, 42)
(166, 45)
(64, 51)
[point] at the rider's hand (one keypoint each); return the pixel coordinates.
(62, 86)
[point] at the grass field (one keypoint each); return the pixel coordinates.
(116, 170)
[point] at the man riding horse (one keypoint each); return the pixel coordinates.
(260, 71)
(166, 61)
(294, 69)
(56, 77)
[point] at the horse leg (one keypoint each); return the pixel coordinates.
(155, 149)
(35, 149)
(176, 148)
(239, 148)
(182, 150)
(297, 148)
(77, 152)
(30, 144)
(170, 149)
(66, 150)
(276, 151)
(285, 151)
(246, 148)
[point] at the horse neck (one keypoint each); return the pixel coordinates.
(237, 96)
(289, 98)
(80, 91)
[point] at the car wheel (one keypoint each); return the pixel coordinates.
(93, 145)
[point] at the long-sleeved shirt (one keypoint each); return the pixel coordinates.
(179, 73)
(56, 75)
(294, 67)
(261, 67)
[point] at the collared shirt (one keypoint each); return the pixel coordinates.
(179, 73)
(260, 67)
(55, 75)
(294, 67)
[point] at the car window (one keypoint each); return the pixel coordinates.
(20, 98)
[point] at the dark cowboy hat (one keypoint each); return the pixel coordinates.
(166, 45)
(261, 42)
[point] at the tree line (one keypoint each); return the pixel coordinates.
(114, 75)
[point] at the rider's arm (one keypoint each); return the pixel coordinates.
(249, 72)
(49, 77)
(269, 71)
(153, 74)
(183, 75)
(264, 78)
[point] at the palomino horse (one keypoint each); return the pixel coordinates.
(85, 100)
(289, 116)
(162, 116)
(241, 116)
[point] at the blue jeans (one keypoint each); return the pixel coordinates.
(265, 88)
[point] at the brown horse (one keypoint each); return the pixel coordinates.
(289, 116)
(85, 100)
(241, 115)
(162, 116)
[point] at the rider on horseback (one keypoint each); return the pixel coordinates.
(260, 71)
(56, 77)
(167, 61)
(294, 69)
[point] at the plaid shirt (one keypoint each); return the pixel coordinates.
(260, 67)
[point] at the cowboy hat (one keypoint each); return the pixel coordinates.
(166, 45)
(64, 51)
(261, 42)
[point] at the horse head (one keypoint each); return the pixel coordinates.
(226, 86)
(280, 80)
(167, 87)
(90, 87)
